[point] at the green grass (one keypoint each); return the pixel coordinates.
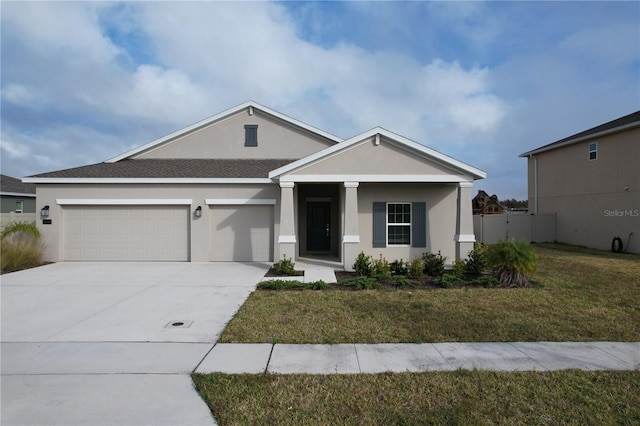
(461, 397)
(579, 295)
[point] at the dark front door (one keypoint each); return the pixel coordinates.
(318, 231)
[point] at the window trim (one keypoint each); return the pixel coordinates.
(409, 224)
(593, 151)
(250, 142)
(19, 210)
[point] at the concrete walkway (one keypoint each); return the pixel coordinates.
(378, 358)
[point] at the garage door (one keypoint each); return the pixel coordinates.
(126, 233)
(242, 233)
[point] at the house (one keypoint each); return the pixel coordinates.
(17, 200)
(252, 184)
(591, 181)
(484, 203)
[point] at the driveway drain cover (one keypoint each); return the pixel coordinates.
(178, 324)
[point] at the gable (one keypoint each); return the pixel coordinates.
(225, 139)
(385, 158)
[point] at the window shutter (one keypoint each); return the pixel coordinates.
(419, 224)
(379, 224)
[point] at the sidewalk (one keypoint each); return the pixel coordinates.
(377, 358)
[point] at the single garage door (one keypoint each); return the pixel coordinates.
(242, 233)
(126, 233)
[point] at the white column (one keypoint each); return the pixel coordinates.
(464, 223)
(287, 237)
(351, 237)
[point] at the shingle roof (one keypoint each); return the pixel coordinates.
(627, 120)
(173, 168)
(11, 184)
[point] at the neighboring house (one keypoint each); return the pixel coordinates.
(252, 184)
(591, 181)
(17, 200)
(484, 203)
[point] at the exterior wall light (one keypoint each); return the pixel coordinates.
(198, 211)
(44, 212)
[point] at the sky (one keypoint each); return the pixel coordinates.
(483, 82)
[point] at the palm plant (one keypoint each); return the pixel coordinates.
(512, 261)
(20, 247)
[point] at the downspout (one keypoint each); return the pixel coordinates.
(535, 184)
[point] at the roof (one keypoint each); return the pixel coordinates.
(400, 140)
(618, 125)
(220, 116)
(12, 186)
(170, 168)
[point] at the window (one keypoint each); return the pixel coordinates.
(19, 206)
(399, 224)
(593, 151)
(251, 135)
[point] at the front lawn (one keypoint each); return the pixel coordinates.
(578, 295)
(459, 397)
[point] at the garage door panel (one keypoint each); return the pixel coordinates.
(242, 233)
(127, 233)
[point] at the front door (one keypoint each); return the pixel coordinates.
(318, 226)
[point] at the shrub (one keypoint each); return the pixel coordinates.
(399, 267)
(292, 285)
(362, 265)
(446, 280)
(380, 268)
(403, 281)
(416, 267)
(285, 266)
(487, 281)
(476, 262)
(21, 247)
(433, 264)
(362, 283)
(459, 268)
(512, 260)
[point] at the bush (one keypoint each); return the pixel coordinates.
(459, 268)
(433, 264)
(487, 281)
(362, 265)
(362, 283)
(512, 260)
(21, 247)
(380, 268)
(446, 280)
(476, 262)
(403, 281)
(399, 267)
(285, 266)
(416, 267)
(291, 285)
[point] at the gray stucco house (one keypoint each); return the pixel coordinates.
(17, 200)
(252, 184)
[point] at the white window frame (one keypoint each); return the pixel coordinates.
(21, 209)
(399, 224)
(594, 151)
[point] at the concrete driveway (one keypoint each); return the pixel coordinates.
(113, 343)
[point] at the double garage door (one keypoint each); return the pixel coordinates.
(162, 233)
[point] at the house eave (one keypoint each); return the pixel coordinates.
(56, 180)
(573, 141)
(17, 194)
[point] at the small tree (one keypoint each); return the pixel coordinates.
(512, 260)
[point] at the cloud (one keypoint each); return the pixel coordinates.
(483, 82)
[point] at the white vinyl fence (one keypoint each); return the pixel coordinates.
(534, 228)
